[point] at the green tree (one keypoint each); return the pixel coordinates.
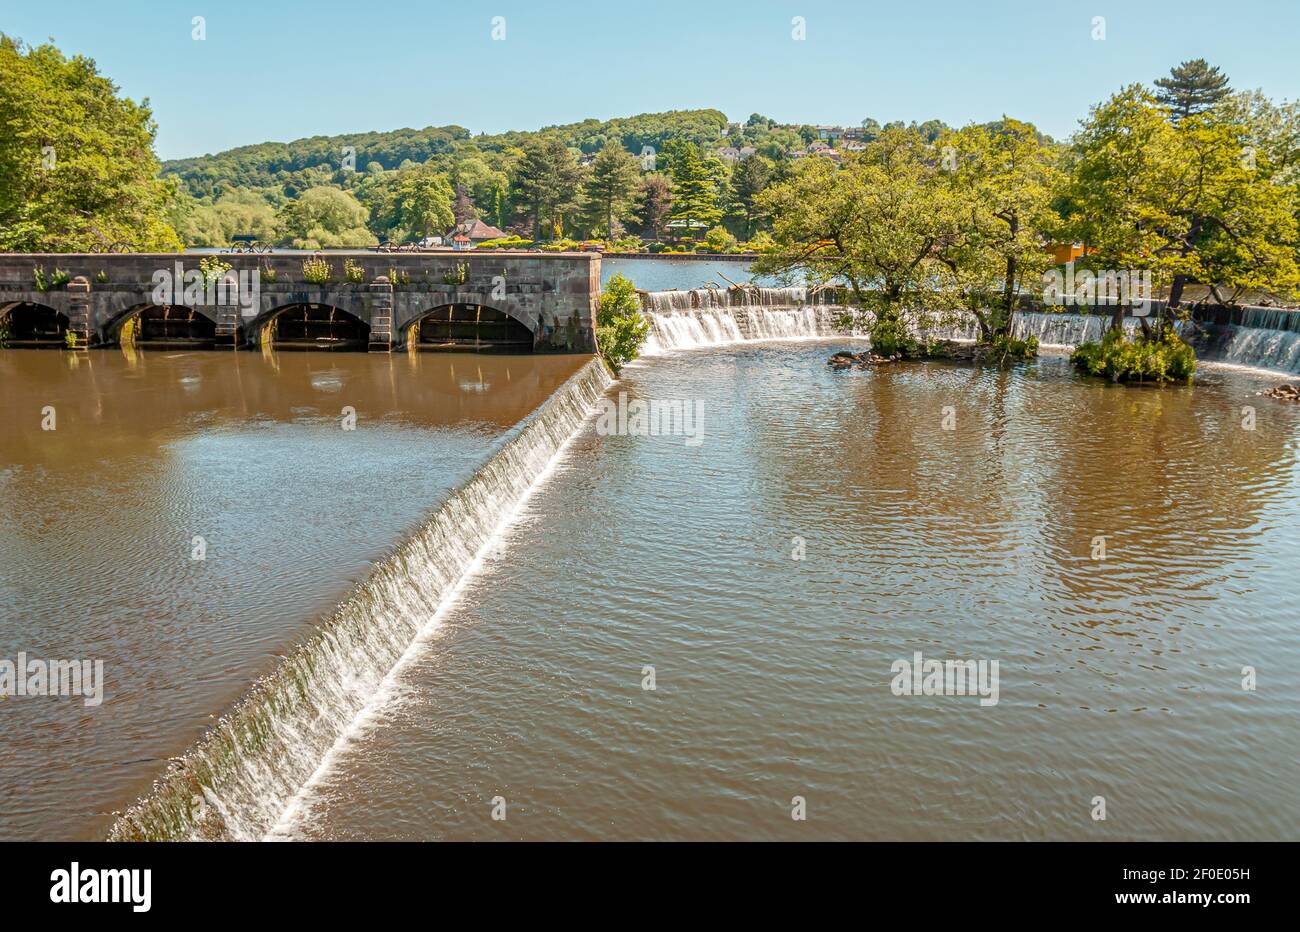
(1192, 87)
(546, 184)
(879, 225)
(77, 167)
(620, 326)
(748, 181)
(610, 190)
(1191, 201)
(324, 218)
(236, 213)
(656, 204)
(695, 190)
(1006, 180)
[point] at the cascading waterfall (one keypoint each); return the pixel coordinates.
(1265, 338)
(717, 316)
(1262, 349)
(235, 782)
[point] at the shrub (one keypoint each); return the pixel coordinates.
(317, 271)
(42, 283)
(1005, 349)
(60, 278)
(890, 337)
(456, 275)
(505, 242)
(719, 240)
(212, 269)
(620, 326)
(1162, 358)
(353, 271)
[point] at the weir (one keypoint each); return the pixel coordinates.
(1256, 337)
(238, 779)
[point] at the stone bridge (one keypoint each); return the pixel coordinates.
(505, 301)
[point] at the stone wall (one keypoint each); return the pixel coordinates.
(554, 295)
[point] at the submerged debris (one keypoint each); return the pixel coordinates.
(1288, 391)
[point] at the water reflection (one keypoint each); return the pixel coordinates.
(152, 450)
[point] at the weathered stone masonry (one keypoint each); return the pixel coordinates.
(554, 295)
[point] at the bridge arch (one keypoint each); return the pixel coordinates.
(27, 323)
(310, 326)
(468, 327)
(162, 325)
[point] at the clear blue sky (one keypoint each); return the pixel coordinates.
(280, 70)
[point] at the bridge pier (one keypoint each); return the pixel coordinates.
(227, 331)
(379, 302)
(79, 316)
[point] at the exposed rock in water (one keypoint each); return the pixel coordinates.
(1288, 391)
(943, 349)
(864, 360)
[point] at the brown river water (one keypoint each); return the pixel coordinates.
(1120, 678)
(765, 574)
(247, 452)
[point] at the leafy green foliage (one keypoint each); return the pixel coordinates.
(609, 193)
(317, 271)
(695, 188)
(1005, 349)
(546, 185)
(1163, 358)
(213, 268)
(620, 326)
(77, 169)
(1192, 87)
(325, 218)
(890, 337)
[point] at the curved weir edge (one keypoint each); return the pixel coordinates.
(236, 780)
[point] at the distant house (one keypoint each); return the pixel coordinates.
(461, 241)
(747, 151)
(728, 154)
(830, 132)
(474, 231)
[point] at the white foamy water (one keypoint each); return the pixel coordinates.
(709, 317)
(237, 781)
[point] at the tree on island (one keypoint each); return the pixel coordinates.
(1192, 87)
(77, 167)
(610, 190)
(1191, 201)
(879, 225)
(1004, 179)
